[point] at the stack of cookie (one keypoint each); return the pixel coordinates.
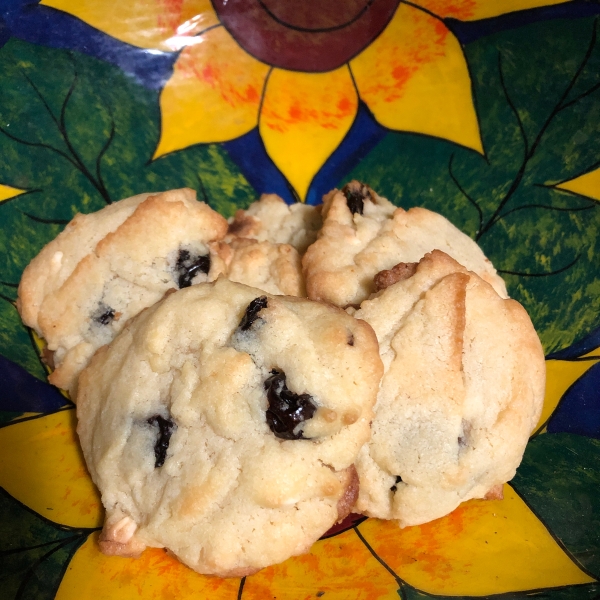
(311, 361)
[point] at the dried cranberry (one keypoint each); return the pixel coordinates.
(394, 488)
(165, 431)
(104, 315)
(286, 408)
(356, 193)
(188, 266)
(252, 311)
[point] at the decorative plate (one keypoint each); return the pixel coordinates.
(487, 111)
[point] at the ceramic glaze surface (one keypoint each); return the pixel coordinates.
(487, 111)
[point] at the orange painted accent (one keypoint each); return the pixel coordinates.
(155, 575)
(414, 77)
(161, 24)
(304, 118)
(213, 95)
(466, 10)
(456, 9)
(170, 14)
(479, 549)
(341, 566)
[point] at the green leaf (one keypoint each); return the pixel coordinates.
(538, 102)
(77, 133)
(218, 182)
(34, 553)
(559, 479)
(15, 342)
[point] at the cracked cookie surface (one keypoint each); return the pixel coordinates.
(223, 424)
(463, 387)
(364, 233)
(107, 266)
(274, 268)
(264, 245)
(270, 219)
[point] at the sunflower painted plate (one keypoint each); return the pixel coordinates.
(487, 111)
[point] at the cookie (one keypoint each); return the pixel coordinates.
(107, 266)
(463, 387)
(270, 219)
(364, 233)
(223, 424)
(274, 268)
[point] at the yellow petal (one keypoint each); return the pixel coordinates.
(213, 95)
(155, 575)
(7, 192)
(42, 467)
(304, 118)
(340, 566)
(158, 24)
(414, 77)
(585, 185)
(560, 376)
(482, 548)
(469, 10)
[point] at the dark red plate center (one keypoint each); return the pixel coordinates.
(311, 35)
